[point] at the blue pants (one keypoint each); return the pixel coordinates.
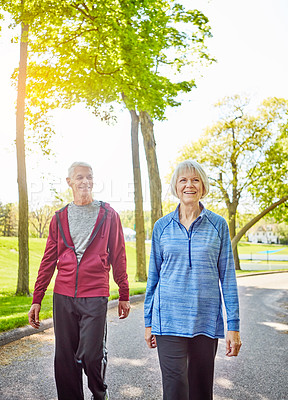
(80, 343)
(187, 366)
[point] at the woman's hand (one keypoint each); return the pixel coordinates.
(233, 343)
(150, 339)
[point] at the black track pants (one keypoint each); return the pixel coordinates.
(187, 366)
(80, 342)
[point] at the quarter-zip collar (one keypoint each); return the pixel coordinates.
(176, 218)
(175, 215)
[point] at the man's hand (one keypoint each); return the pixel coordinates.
(33, 315)
(233, 343)
(150, 339)
(123, 309)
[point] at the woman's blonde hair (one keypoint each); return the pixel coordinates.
(193, 167)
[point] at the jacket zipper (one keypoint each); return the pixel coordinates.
(189, 240)
(90, 240)
(189, 234)
(76, 283)
(189, 243)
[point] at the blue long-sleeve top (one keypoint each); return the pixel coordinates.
(187, 271)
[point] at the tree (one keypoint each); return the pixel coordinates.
(23, 274)
(152, 164)
(272, 177)
(233, 150)
(270, 184)
(282, 230)
(138, 199)
(40, 219)
(95, 52)
(8, 219)
(19, 13)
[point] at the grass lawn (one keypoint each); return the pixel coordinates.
(14, 309)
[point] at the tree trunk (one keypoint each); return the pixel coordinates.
(232, 232)
(152, 164)
(138, 199)
(232, 223)
(23, 271)
(236, 258)
(256, 219)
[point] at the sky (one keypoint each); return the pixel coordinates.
(250, 45)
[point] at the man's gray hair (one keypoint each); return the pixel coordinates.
(191, 166)
(76, 164)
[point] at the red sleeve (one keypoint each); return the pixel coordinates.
(48, 263)
(117, 256)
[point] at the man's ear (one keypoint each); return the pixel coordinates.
(68, 180)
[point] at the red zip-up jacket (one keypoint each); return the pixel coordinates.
(90, 277)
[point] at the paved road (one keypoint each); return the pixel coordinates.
(259, 373)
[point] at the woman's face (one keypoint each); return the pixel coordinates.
(189, 187)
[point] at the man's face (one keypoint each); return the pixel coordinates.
(81, 182)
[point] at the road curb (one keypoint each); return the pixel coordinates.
(27, 330)
(19, 333)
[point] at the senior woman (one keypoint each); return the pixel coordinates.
(191, 259)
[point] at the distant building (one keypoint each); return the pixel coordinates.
(129, 234)
(263, 234)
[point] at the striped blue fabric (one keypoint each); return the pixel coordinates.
(187, 271)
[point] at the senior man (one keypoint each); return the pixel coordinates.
(85, 237)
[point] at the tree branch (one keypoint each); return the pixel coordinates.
(104, 73)
(222, 189)
(256, 219)
(86, 15)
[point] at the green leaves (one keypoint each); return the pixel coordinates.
(92, 52)
(123, 45)
(244, 152)
(272, 176)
